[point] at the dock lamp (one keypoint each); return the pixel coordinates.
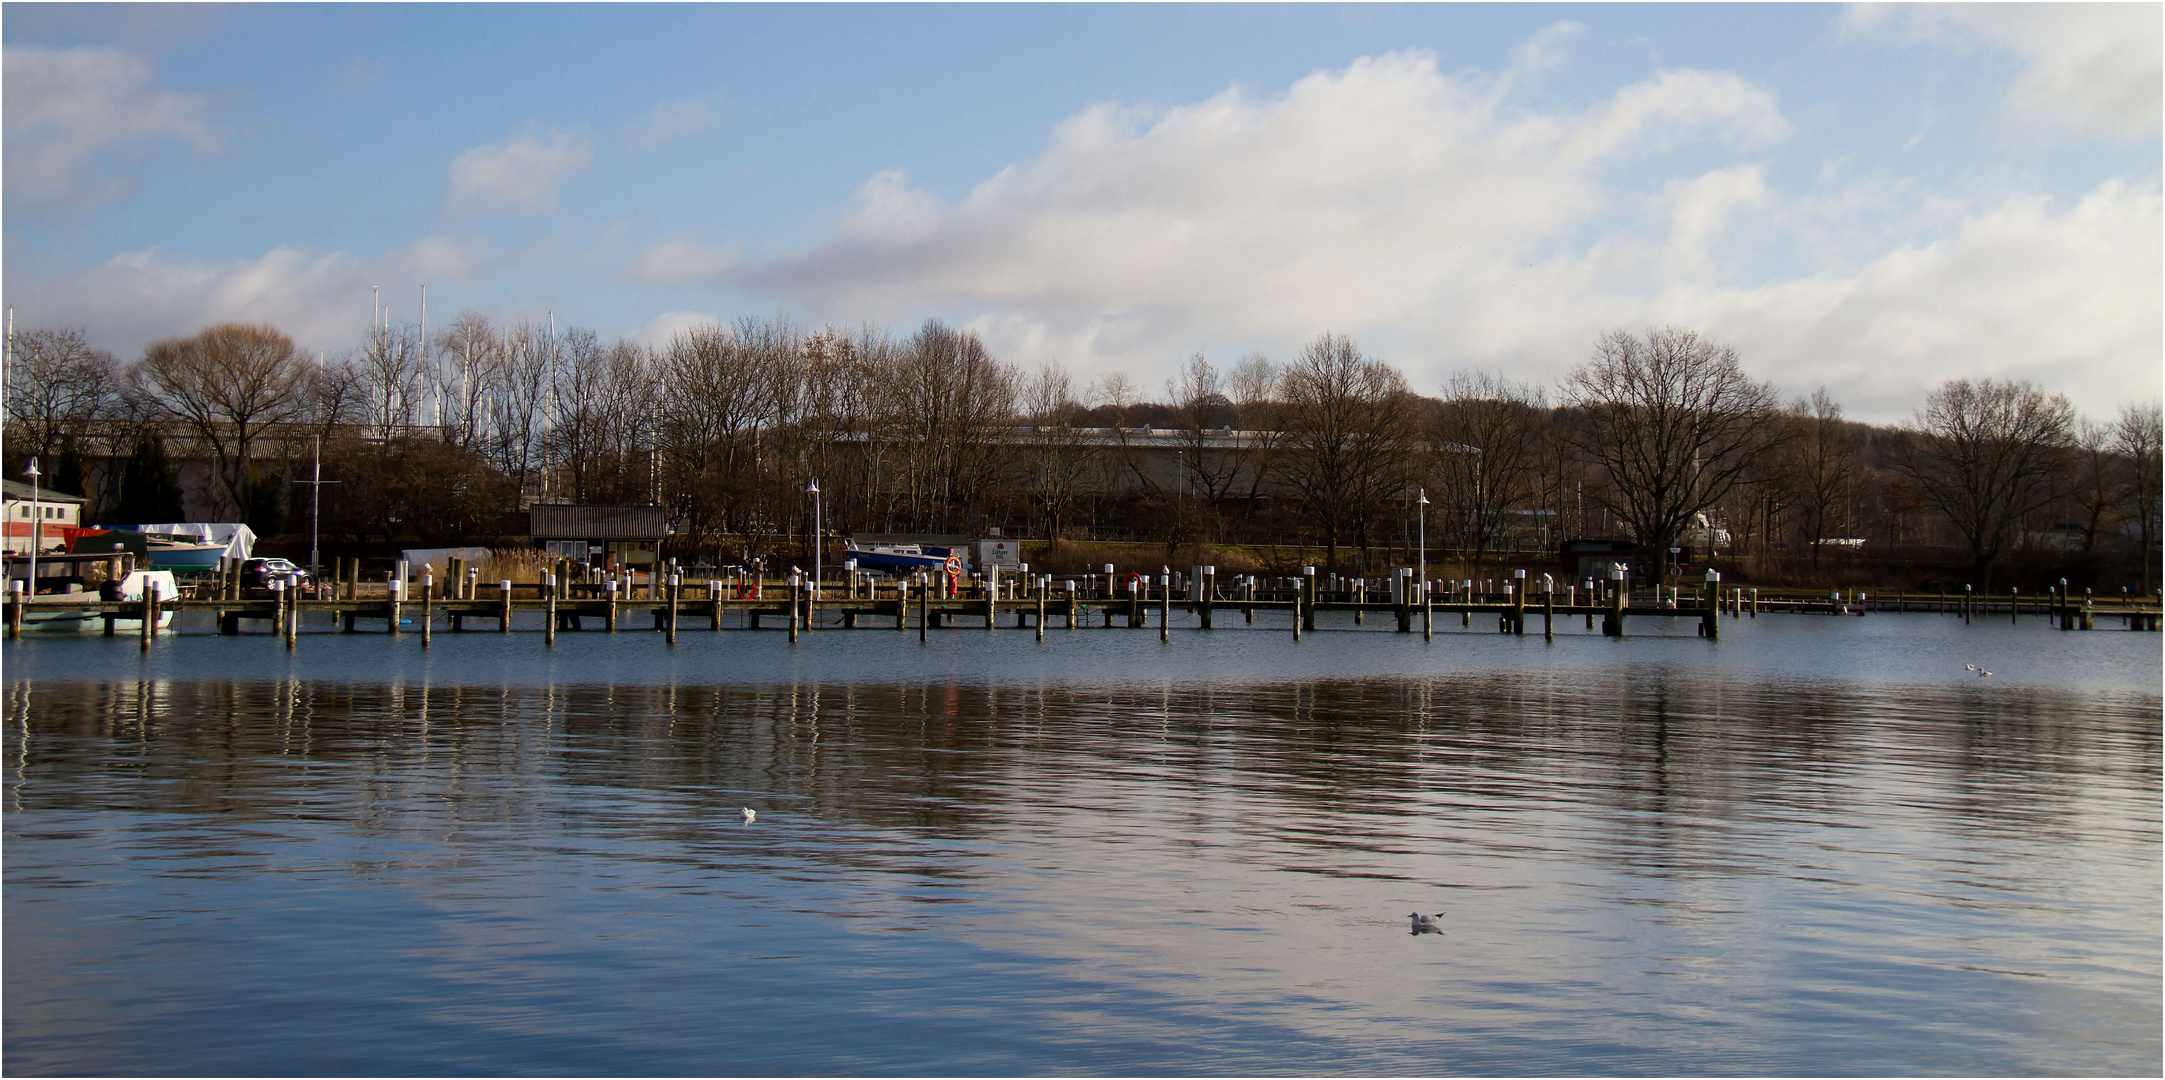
(817, 527)
(37, 523)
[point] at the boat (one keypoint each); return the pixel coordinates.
(899, 559)
(64, 613)
(180, 557)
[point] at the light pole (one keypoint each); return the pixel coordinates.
(1421, 513)
(37, 522)
(315, 509)
(817, 528)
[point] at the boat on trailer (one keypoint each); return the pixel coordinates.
(903, 559)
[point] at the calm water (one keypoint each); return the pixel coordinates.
(1818, 846)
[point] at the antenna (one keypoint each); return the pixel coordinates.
(436, 416)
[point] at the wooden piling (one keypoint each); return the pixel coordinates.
(293, 617)
(1305, 605)
(675, 586)
(428, 605)
(503, 625)
(1710, 619)
(1548, 611)
(150, 616)
(796, 584)
(1165, 608)
(1428, 613)
(1518, 602)
(924, 610)
(609, 614)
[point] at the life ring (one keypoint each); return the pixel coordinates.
(1135, 583)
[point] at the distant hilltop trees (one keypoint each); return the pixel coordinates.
(1659, 438)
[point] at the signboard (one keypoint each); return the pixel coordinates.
(1005, 554)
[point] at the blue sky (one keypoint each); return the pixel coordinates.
(1872, 199)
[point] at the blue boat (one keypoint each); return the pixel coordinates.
(900, 559)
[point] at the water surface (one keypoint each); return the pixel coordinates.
(1817, 846)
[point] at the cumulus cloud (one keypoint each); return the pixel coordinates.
(659, 329)
(1447, 228)
(322, 300)
(683, 260)
(670, 120)
(522, 173)
(2097, 67)
(67, 107)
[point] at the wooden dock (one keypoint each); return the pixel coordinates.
(1038, 603)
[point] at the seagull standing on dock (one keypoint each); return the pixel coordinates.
(749, 815)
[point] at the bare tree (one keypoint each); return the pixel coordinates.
(1481, 445)
(1674, 423)
(233, 385)
(393, 386)
(57, 384)
(2136, 438)
(1056, 455)
(1985, 455)
(1349, 435)
(1818, 467)
(471, 351)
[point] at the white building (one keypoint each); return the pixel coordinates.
(46, 518)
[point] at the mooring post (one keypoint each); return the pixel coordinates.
(150, 616)
(2089, 621)
(1305, 604)
(992, 594)
(676, 582)
(1548, 608)
(1616, 603)
(796, 583)
(1298, 592)
(1165, 607)
(503, 614)
(1210, 592)
(1710, 619)
(924, 609)
(609, 603)
(1428, 611)
(428, 602)
(2014, 605)
(1518, 602)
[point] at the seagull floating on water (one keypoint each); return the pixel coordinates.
(1972, 667)
(1983, 674)
(1427, 924)
(749, 814)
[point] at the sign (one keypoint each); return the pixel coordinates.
(1005, 554)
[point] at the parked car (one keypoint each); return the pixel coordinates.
(259, 573)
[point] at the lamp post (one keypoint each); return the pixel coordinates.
(37, 522)
(1421, 514)
(817, 529)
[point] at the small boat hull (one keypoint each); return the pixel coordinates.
(904, 558)
(186, 558)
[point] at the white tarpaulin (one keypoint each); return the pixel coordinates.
(239, 539)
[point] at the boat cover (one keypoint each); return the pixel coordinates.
(239, 539)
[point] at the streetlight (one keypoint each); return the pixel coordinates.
(37, 523)
(817, 528)
(1421, 511)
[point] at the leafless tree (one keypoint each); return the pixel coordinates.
(2136, 438)
(57, 384)
(1674, 423)
(393, 387)
(471, 354)
(1818, 467)
(1056, 456)
(1985, 455)
(1349, 436)
(1482, 445)
(232, 384)
(955, 402)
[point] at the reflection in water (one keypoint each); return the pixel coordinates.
(1640, 873)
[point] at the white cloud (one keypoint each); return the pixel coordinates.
(659, 329)
(521, 173)
(1446, 228)
(684, 260)
(670, 120)
(66, 107)
(322, 301)
(2099, 67)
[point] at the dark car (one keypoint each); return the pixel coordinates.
(259, 573)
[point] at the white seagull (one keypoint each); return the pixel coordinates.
(1427, 924)
(749, 814)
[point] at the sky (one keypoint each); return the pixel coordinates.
(1870, 199)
